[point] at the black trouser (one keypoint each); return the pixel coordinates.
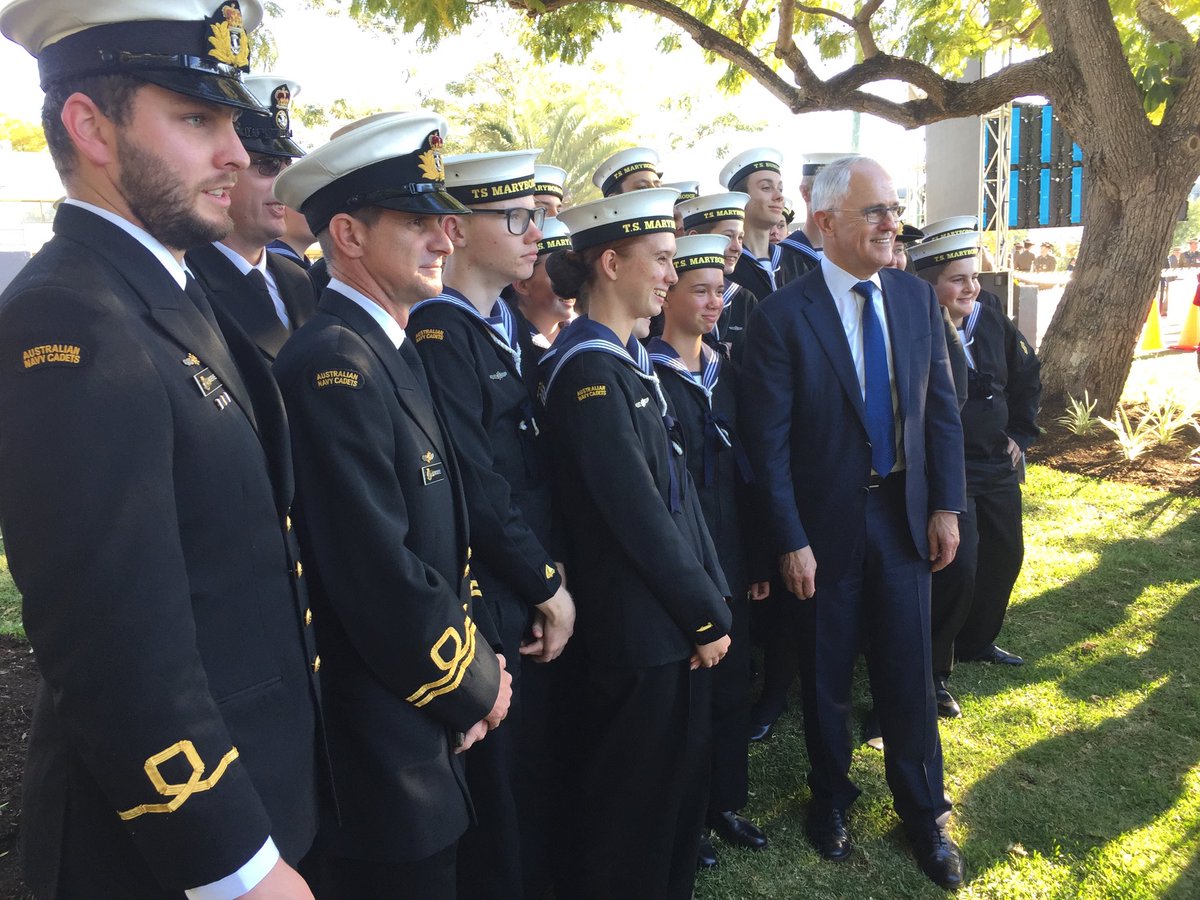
(644, 790)
(339, 878)
(775, 624)
(729, 781)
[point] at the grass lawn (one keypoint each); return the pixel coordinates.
(1076, 775)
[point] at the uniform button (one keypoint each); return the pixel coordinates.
(308, 617)
(316, 664)
(299, 569)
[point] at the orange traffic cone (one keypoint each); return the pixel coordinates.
(1189, 338)
(1152, 335)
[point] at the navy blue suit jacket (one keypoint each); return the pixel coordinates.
(804, 423)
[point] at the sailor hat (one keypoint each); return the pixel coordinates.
(815, 162)
(700, 251)
(617, 166)
(748, 162)
(952, 225)
(713, 208)
(555, 236)
(944, 249)
(488, 177)
(688, 190)
(549, 180)
(621, 216)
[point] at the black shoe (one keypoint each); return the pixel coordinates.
(994, 654)
(947, 706)
(759, 732)
(737, 831)
(829, 832)
(707, 858)
(939, 857)
(872, 734)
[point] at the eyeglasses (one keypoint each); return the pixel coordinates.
(875, 214)
(517, 218)
(270, 166)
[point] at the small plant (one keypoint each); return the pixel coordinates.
(1167, 415)
(1133, 440)
(1078, 418)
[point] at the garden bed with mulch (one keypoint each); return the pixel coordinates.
(1164, 468)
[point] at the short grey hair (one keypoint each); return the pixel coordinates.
(832, 183)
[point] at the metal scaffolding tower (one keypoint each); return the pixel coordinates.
(995, 137)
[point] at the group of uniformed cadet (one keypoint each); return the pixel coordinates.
(428, 571)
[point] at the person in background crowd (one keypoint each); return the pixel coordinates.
(854, 352)
(702, 388)
(412, 679)
(145, 484)
(266, 293)
(652, 599)
(1023, 256)
(634, 169)
(1046, 260)
(480, 359)
(1191, 256)
(545, 311)
(548, 190)
(688, 190)
(970, 595)
(800, 251)
(295, 240)
(757, 174)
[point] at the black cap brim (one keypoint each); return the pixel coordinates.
(429, 203)
(280, 146)
(211, 87)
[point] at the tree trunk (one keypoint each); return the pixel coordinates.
(1091, 339)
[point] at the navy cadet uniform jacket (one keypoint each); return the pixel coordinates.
(646, 578)
(731, 327)
(796, 257)
(145, 486)
(1003, 389)
(484, 398)
(233, 292)
(383, 520)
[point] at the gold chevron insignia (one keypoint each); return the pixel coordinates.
(454, 668)
(179, 793)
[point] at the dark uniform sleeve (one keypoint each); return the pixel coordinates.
(958, 358)
(499, 533)
(404, 619)
(944, 457)
(86, 468)
(598, 430)
(1024, 387)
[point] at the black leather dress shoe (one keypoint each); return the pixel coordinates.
(939, 857)
(994, 654)
(707, 857)
(737, 831)
(760, 732)
(947, 706)
(829, 833)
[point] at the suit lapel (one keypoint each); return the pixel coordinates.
(294, 289)
(229, 288)
(822, 315)
(408, 390)
(898, 307)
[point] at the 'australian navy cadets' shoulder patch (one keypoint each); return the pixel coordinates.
(50, 355)
(429, 334)
(346, 378)
(592, 390)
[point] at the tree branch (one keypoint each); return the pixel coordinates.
(860, 24)
(1160, 23)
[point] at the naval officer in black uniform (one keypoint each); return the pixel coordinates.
(480, 361)
(145, 485)
(411, 679)
(703, 390)
(268, 294)
(643, 568)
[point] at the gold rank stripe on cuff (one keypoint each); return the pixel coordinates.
(455, 667)
(704, 628)
(179, 792)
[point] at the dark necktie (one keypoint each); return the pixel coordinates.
(413, 359)
(264, 294)
(881, 424)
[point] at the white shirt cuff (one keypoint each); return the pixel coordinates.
(243, 880)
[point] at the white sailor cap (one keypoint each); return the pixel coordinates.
(748, 162)
(688, 190)
(940, 250)
(555, 236)
(952, 225)
(699, 251)
(815, 162)
(621, 216)
(269, 132)
(713, 208)
(549, 180)
(194, 47)
(487, 177)
(392, 160)
(617, 166)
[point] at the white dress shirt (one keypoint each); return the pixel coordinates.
(389, 325)
(244, 266)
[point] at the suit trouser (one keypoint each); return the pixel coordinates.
(775, 623)
(729, 782)
(645, 791)
(884, 592)
(1000, 554)
(952, 593)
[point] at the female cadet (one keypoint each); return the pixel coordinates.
(650, 592)
(702, 389)
(970, 595)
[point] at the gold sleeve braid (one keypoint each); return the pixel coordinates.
(455, 668)
(179, 792)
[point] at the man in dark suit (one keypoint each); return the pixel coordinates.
(267, 294)
(145, 486)
(412, 680)
(856, 441)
